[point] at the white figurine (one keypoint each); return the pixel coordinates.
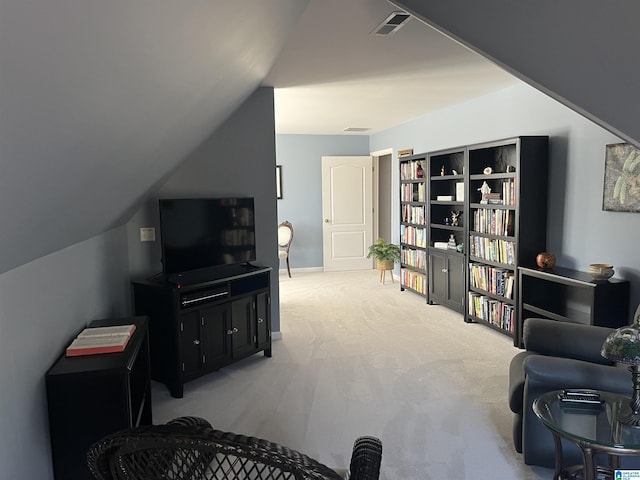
(484, 189)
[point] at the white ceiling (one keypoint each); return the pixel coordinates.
(334, 74)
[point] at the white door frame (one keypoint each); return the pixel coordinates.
(376, 188)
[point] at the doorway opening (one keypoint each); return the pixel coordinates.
(383, 194)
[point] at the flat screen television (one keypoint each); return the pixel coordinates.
(199, 233)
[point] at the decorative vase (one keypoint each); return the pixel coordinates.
(546, 260)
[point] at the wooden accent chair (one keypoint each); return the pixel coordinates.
(189, 448)
(285, 237)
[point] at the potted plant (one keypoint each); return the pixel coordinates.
(385, 254)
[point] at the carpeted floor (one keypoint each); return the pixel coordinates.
(358, 357)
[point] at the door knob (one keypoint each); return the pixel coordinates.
(196, 342)
(260, 320)
(326, 220)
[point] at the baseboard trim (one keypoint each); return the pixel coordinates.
(283, 271)
(276, 335)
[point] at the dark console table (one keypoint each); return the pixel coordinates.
(573, 296)
(92, 396)
(203, 322)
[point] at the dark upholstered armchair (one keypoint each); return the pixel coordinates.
(189, 448)
(558, 355)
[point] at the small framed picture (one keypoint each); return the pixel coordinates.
(278, 182)
(405, 153)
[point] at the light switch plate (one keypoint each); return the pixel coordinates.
(147, 234)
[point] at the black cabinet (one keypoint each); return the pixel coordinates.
(243, 326)
(263, 325)
(89, 397)
(446, 278)
(567, 295)
(203, 340)
(200, 326)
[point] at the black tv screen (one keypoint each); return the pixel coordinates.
(199, 233)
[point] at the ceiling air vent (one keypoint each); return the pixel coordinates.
(356, 129)
(392, 23)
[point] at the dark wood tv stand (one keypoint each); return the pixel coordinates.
(203, 321)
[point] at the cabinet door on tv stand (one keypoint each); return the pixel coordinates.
(243, 321)
(216, 325)
(191, 343)
(263, 329)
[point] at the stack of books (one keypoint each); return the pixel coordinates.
(97, 340)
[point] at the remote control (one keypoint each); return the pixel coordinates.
(590, 399)
(581, 393)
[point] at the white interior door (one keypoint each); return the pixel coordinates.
(347, 209)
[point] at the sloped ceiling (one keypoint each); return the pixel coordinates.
(99, 100)
(580, 52)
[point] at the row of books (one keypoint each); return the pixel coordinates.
(494, 222)
(413, 280)
(495, 250)
(413, 235)
(411, 170)
(98, 340)
(498, 313)
(414, 258)
(413, 214)
(498, 281)
(412, 192)
(509, 192)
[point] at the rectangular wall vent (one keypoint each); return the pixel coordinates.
(356, 129)
(392, 23)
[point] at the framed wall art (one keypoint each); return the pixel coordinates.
(621, 191)
(278, 182)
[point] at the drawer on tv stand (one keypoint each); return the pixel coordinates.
(200, 297)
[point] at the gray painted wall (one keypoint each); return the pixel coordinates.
(238, 159)
(42, 305)
(301, 160)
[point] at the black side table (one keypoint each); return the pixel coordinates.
(594, 428)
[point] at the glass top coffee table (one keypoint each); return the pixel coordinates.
(594, 428)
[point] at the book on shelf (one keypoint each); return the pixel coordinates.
(444, 198)
(98, 340)
(494, 198)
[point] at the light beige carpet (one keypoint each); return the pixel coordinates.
(358, 357)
